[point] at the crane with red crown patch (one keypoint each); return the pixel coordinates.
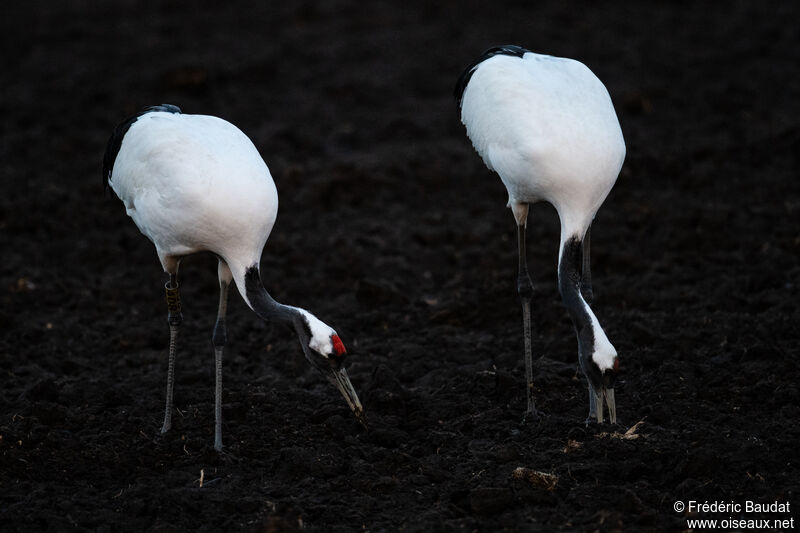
(196, 183)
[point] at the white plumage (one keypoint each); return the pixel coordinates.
(547, 126)
(195, 183)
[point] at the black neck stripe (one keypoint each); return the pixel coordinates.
(569, 279)
(265, 305)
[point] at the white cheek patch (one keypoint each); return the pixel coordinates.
(604, 354)
(605, 358)
(320, 334)
(323, 348)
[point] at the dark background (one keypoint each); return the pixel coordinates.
(392, 230)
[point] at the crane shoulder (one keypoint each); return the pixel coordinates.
(463, 80)
(115, 141)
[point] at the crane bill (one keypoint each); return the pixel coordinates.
(608, 396)
(342, 382)
(612, 405)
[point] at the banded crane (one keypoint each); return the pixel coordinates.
(194, 183)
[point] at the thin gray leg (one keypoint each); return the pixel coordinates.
(219, 339)
(174, 318)
(586, 270)
(592, 406)
(525, 290)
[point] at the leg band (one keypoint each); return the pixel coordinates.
(174, 316)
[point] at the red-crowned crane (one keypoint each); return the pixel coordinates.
(195, 183)
(547, 126)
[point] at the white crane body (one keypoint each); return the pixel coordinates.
(546, 125)
(196, 183)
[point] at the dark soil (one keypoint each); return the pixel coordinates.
(392, 230)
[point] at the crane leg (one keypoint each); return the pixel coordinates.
(586, 271)
(174, 319)
(219, 339)
(593, 407)
(525, 291)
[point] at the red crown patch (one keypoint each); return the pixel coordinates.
(338, 346)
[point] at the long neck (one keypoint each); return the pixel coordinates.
(569, 279)
(265, 305)
(269, 310)
(592, 340)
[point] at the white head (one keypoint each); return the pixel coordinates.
(323, 339)
(321, 344)
(604, 355)
(326, 352)
(599, 361)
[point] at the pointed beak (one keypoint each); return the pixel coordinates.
(612, 405)
(342, 382)
(606, 396)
